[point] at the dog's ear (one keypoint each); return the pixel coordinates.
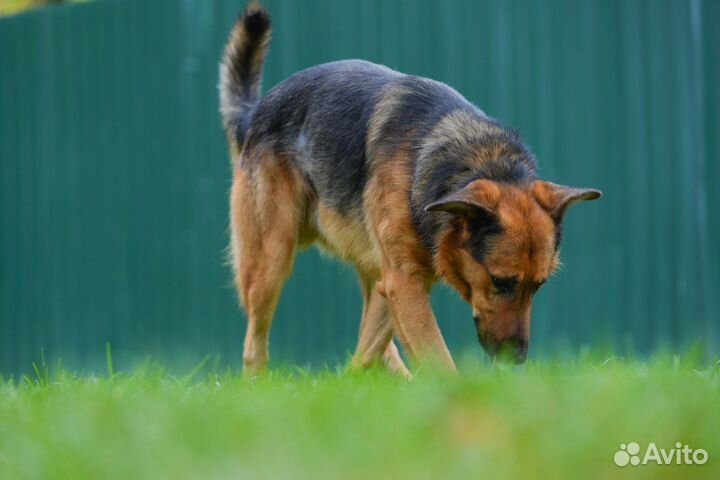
(555, 199)
(478, 199)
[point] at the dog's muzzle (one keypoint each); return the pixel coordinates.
(512, 349)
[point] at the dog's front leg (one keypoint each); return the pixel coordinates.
(407, 295)
(405, 265)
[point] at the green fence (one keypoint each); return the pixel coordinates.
(114, 173)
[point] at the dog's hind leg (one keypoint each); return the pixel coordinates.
(375, 343)
(265, 209)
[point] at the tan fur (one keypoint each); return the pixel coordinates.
(272, 214)
(375, 342)
(406, 266)
(556, 199)
(348, 239)
(265, 209)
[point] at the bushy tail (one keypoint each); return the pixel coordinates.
(241, 72)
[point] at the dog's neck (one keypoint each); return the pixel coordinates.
(485, 150)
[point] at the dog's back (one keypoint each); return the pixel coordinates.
(318, 118)
(333, 120)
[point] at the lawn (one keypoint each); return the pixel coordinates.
(544, 420)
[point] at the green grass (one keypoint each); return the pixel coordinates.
(544, 420)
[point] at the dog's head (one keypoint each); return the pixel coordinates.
(501, 247)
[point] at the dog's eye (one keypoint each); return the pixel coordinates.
(504, 286)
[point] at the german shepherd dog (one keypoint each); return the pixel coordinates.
(396, 174)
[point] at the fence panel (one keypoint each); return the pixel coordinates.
(114, 173)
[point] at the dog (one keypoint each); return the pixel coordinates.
(401, 177)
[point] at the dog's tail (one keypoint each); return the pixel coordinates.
(241, 72)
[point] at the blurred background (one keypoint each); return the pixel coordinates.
(114, 171)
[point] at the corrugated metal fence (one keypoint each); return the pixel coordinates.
(114, 173)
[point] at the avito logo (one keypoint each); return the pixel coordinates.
(629, 454)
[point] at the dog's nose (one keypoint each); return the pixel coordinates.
(517, 347)
(510, 349)
(522, 351)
